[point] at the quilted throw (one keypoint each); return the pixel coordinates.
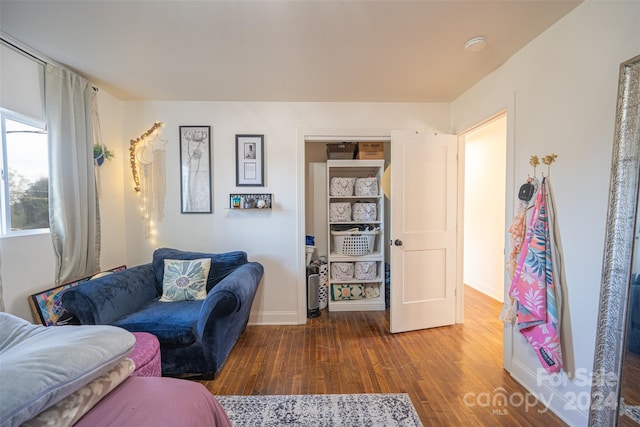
(534, 290)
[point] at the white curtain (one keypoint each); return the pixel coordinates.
(74, 216)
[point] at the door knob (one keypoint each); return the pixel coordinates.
(397, 242)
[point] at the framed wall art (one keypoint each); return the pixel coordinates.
(47, 308)
(250, 160)
(195, 169)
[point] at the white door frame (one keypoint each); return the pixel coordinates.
(304, 135)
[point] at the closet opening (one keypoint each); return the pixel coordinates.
(319, 243)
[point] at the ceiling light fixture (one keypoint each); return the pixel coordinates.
(475, 44)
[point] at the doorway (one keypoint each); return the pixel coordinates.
(491, 147)
(484, 207)
(316, 222)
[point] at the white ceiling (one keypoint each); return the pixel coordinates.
(270, 50)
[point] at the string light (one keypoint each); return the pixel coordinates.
(132, 152)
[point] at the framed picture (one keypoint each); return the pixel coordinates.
(47, 308)
(250, 160)
(195, 169)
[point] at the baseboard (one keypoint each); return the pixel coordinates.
(274, 318)
(560, 403)
(497, 295)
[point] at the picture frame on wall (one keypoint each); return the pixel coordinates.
(195, 169)
(250, 160)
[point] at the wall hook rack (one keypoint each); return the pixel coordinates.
(534, 161)
(547, 160)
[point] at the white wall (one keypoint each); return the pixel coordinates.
(565, 86)
(484, 198)
(113, 183)
(269, 237)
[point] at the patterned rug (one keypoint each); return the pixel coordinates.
(328, 410)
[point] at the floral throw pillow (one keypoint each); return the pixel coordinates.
(185, 280)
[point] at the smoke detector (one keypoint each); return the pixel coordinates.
(475, 44)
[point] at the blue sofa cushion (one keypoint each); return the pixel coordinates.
(171, 322)
(221, 264)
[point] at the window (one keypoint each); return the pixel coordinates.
(24, 170)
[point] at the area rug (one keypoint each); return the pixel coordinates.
(322, 410)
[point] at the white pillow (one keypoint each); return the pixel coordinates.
(185, 280)
(39, 365)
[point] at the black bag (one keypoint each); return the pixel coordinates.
(526, 191)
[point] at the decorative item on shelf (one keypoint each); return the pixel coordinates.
(370, 151)
(250, 201)
(341, 186)
(365, 270)
(339, 212)
(345, 292)
(371, 290)
(342, 270)
(341, 150)
(366, 186)
(364, 211)
(101, 153)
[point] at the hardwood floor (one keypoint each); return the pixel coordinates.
(453, 374)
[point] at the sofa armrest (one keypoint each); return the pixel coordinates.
(104, 300)
(231, 294)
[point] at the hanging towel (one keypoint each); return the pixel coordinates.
(518, 231)
(533, 288)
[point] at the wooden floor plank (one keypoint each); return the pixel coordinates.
(444, 370)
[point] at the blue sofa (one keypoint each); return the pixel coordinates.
(195, 336)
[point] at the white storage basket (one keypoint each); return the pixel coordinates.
(365, 270)
(323, 293)
(341, 186)
(340, 212)
(366, 186)
(354, 242)
(342, 270)
(364, 212)
(371, 290)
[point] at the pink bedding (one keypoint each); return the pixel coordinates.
(158, 402)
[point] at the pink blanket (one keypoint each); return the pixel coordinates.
(158, 402)
(533, 288)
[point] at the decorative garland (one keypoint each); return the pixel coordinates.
(132, 153)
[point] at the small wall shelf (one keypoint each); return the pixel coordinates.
(250, 201)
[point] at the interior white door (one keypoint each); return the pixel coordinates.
(423, 230)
